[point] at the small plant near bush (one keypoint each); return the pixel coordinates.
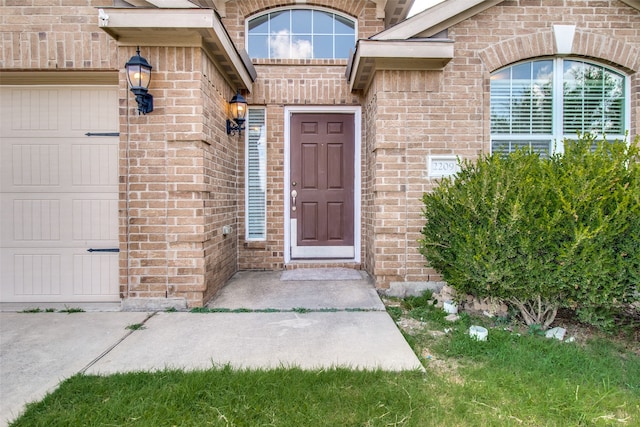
(425, 299)
(542, 233)
(395, 313)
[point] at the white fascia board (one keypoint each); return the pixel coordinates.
(374, 55)
(423, 49)
(175, 27)
(435, 19)
(121, 22)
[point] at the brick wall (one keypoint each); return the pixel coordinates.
(54, 35)
(283, 83)
(448, 112)
(179, 181)
(280, 85)
(222, 183)
(182, 177)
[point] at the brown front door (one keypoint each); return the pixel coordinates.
(322, 185)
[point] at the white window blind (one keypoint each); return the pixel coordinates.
(537, 104)
(256, 175)
(522, 107)
(593, 99)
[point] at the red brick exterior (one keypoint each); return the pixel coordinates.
(182, 176)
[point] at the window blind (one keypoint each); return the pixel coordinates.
(256, 173)
(537, 104)
(593, 99)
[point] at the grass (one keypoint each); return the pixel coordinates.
(68, 310)
(136, 326)
(511, 379)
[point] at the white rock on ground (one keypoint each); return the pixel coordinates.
(557, 333)
(452, 317)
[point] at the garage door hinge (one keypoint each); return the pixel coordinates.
(102, 134)
(103, 250)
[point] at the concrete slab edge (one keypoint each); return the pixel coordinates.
(154, 304)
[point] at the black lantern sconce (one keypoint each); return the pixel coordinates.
(238, 111)
(139, 77)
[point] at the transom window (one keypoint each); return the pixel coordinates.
(300, 34)
(537, 104)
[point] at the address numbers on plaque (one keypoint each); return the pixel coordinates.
(440, 166)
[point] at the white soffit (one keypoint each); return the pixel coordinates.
(633, 3)
(173, 4)
(436, 19)
(179, 27)
(374, 55)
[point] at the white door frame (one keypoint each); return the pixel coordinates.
(357, 181)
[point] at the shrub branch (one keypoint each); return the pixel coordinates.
(537, 312)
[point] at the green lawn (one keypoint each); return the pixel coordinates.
(512, 379)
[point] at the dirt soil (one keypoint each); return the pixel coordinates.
(627, 335)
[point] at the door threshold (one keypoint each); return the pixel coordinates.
(327, 263)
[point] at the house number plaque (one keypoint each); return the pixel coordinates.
(440, 166)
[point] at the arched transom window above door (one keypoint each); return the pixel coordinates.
(301, 33)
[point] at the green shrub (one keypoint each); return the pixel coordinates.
(541, 233)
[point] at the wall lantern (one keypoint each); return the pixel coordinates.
(139, 77)
(238, 110)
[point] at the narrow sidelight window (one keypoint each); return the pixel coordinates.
(256, 175)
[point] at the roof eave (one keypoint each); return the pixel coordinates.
(436, 19)
(180, 27)
(373, 55)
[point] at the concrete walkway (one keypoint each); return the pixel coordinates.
(312, 319)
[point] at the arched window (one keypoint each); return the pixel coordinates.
(301, 34)
(536, 104)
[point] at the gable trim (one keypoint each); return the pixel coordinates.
(436, 19)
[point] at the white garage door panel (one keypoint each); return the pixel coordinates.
(60, 165)
(58, 111)
(58, 275)
(60, 220)
(58, 194)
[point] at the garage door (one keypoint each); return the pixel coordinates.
(58, 194)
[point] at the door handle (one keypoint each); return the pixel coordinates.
(294, 194)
